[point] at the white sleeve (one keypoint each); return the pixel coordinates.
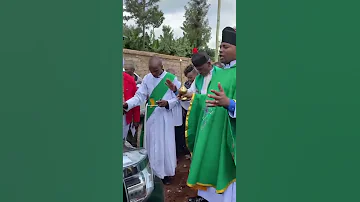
(185, 104)
(177, 114)
(192, 88)
(139, 97)
(174, 101)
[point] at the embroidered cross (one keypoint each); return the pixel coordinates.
(208, 111)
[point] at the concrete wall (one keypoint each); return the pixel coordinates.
(141, 60)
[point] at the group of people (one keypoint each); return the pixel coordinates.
(206, 114)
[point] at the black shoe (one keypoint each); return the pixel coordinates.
(197, 199)
(166, 181)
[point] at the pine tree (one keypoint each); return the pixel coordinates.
(196, 25)
(167, 42)
(146, 14)
(183, 47)
(133, 38)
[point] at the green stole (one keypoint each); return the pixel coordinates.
(199, 79)
(211, 137)
(157, 94)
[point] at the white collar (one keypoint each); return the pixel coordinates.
(211, 71)
(232, 63)
(161, 75)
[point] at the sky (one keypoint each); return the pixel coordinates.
(174, 16)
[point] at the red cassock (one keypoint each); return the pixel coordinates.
(130, 88)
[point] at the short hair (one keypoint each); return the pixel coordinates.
(156, 58)
(131, 64)
(188, 69)
(200, 58)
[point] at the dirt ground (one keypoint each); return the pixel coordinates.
(178, 191)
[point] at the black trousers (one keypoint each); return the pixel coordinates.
(181, 148)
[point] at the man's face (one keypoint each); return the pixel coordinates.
(155, 68)
(129, 69)
(191, 76)
(227, 53)
(204, 69)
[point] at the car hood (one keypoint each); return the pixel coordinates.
(132, 155)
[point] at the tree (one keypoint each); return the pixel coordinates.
(154, 43)
(210, 52)
(167, 42)
(183, 47)
(133, 39)
(145, 13)
(196, 25)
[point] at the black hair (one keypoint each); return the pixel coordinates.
(188, 69)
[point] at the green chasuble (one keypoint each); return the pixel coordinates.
(199, 79)
(211, 137)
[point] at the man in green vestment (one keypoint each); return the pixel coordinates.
(202, 64)
(211, 130)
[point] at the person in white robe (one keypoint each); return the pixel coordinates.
(177, 109)
(159, 135)
(178, 122)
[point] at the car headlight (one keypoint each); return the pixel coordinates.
(137, 174)
(140, 186)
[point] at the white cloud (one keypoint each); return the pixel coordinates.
(174, 16)
(174, 20)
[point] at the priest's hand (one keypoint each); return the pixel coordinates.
(220, 99)
(171, 85)
(125, 107)
(162, 103)
(188, 95)
(136, 125)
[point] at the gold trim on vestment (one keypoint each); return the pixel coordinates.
(187, 122)
(200, 186)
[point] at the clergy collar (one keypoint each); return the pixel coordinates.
(161, 75)
(231, 64)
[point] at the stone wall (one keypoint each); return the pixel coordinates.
(141, 60)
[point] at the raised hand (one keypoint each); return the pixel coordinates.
(220, 99)
(171, 85)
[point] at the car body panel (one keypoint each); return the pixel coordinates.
(158, 195)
